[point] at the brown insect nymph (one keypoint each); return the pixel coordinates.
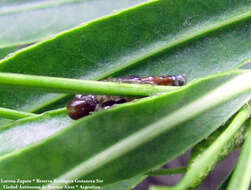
(83, 105)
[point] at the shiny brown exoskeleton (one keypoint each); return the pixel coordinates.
(169, 80)
(83, 105)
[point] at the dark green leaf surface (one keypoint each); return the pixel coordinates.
(169, 171)
(8, 51)
(125, 184)
(5, 51)
(156, 38)
(133, 138)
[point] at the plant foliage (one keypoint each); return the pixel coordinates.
(208, 41)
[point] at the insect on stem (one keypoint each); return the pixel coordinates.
(83, 105)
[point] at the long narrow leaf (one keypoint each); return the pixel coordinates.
(206, 161)
(242, 174)
(13, 114)
(151, 39)
(117, 140)
(40, 19)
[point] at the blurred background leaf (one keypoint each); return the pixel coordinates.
(23, 22)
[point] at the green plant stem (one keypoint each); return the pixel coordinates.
(13, 114)
(169, 171)
(242, 174)
(207, 160)
(74, 86)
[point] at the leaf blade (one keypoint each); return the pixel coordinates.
(156, 111)
(52, 16)
(241, 175)
(82, 52)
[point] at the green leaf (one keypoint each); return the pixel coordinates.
(242, 173)
(13, 114)
(32, 130)
(8, 51)
(116, 145)
(5, 51)
(151, 39)
(169, 171)
(37, 128)
(206, 158)
(40, 19)
(34, 12)
(125, 184)
(203, 147)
